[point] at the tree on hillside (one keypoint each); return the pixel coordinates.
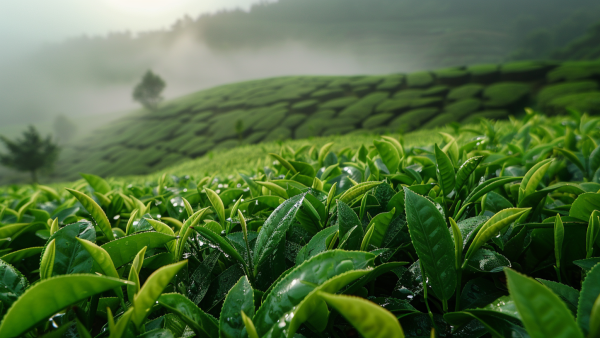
(64, 129)
(148, 91)
(31, 153)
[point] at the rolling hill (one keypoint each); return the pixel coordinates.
(89, 75)
(306, 106)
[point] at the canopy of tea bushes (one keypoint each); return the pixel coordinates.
(300, 107)
(492, 231)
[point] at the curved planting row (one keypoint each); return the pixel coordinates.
(301, 107)
(494, 235)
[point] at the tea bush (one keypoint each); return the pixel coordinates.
(213, 115)
(490, 232)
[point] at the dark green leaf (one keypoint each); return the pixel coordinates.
(97, 213)
(584, 205)
(97, 183)
(488, 186)
(123, 250)
(56, 293)
(587, 264)
(478, 293)
(319, 243)
(389, 155)
(444, 170)
(274, 228)
(240, 298)
(487, 261)
(380, 224)
(204, 325)
(220, 242)
(542, 312)
(369, 319)
(289, 292)
(433, 243)
(569, 295)
(219, 287)
(12, 284)
(347, 220)
(465, 171)
(590, 290)
(70, 257)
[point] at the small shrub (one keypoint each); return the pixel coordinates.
(305, 105)
(498, 114)
(505, 94)
(584, 102)
(465, 92)
(394, 105)
(338, 103)
(293, 120)
(377, 120)
(552, 92)
(363, 108)
(278, 134)
(418, 80)
(413, 119)
(338, 130)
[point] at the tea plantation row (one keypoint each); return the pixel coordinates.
(300, 107)
(492, 231)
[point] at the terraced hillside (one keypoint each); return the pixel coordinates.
(301, 107)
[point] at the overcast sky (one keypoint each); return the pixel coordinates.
(27, 22)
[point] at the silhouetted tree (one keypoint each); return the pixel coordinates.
(64, 129)
(148, 91)
(31, 153)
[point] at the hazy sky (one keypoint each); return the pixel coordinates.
(26, 22)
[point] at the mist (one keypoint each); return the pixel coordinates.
(32, 92)
(90, 78)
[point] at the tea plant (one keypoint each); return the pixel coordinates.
(300, 107)
(494, 236)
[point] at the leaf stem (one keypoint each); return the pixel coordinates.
(424, 279)
(458, 288)
(92, 311)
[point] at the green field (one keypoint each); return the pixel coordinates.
(487, 229)
(300, 107)
(461, 202)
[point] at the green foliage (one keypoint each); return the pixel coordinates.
(586, 102)
(552, 92)
(574, 71)
(31, 153)
(505, 93)
(389, 238)
(148, 91)
(279, 109)
(465, 92)
(416, 80)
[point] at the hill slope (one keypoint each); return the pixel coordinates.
(301, 107)
(94, 74)
(586, 47)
